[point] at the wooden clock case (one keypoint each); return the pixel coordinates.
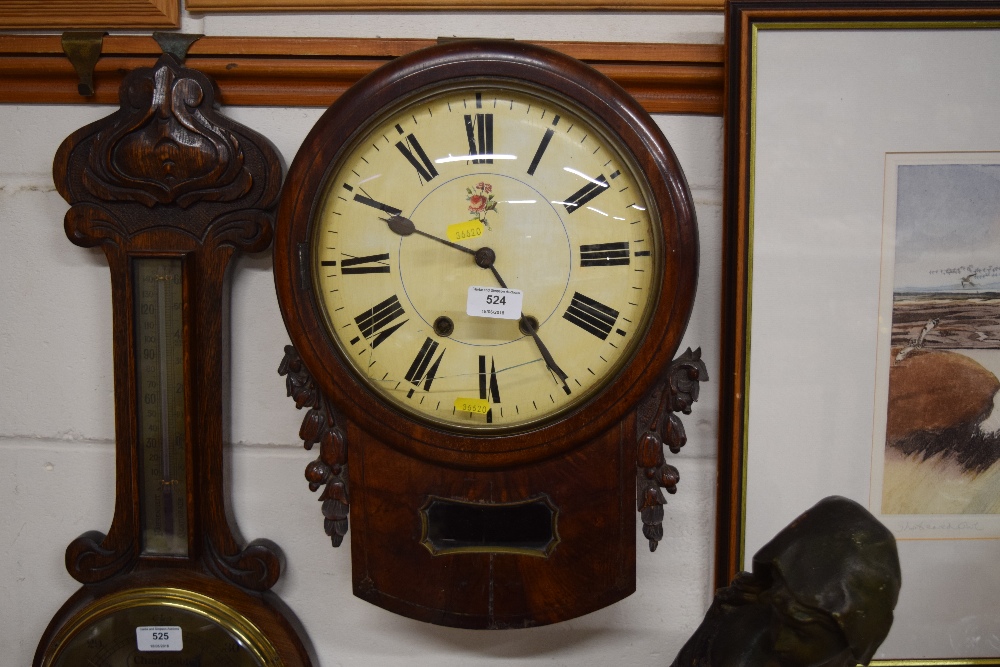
(593, 466)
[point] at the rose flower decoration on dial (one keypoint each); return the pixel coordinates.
(485, 257)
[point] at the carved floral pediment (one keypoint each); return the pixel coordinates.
(168, 160)
(164, 149)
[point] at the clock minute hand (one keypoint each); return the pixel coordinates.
(527, 325)
(404, 227)
(485, 257)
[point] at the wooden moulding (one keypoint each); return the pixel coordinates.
(447, 5)
(272, 71)
(104, 14)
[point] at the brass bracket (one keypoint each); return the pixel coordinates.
(83, 50)
(176, 43)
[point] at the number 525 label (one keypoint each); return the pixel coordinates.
(159, 638)
(494, 302)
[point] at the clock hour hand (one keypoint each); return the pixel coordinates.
(404, 227)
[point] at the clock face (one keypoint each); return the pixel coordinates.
(486, 256)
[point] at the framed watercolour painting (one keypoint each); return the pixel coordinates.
(862, 296)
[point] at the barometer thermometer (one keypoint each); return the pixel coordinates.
(170, 189)
(160, 363)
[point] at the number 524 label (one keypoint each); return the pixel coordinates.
(494, 302)
(159, 638)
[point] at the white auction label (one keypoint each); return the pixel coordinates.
(159, 638)
(494, 302)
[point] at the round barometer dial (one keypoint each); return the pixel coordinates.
(484, 256)
(160, 626)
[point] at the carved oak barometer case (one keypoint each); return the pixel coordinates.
(486, 257)
(170, 190)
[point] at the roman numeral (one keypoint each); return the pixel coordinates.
(488, 387)
(481, 126)
(366, 264)
(546, 138)
(591, 316)
(424, 166)
(580, 198)
(367, 201)
(418, 369)
(604, 254)
(374, 323)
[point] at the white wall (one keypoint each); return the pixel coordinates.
(56, 412)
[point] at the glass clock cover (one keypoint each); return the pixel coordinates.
(485, 256)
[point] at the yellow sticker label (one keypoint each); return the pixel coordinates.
(462, 231)
(478, 406)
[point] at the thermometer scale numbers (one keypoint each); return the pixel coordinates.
(159, 327)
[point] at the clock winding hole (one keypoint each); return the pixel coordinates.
(444, 326)
(527, 324)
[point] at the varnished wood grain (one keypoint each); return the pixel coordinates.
(449, 5)
(664, 78)
(592, 566)
(70, 14)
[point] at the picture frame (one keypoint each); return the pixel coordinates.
(106, 14)
(821, 100)
(222, 6)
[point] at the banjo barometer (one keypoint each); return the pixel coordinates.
(170, 189)
(485, 257)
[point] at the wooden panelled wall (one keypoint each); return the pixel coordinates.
(274, 71)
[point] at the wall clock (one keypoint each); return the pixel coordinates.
(170, 190)
(486, 257)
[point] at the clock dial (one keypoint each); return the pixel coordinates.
(160, 626)
(485, 257)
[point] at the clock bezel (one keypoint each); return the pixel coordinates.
(362, 138)
(494, 63)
